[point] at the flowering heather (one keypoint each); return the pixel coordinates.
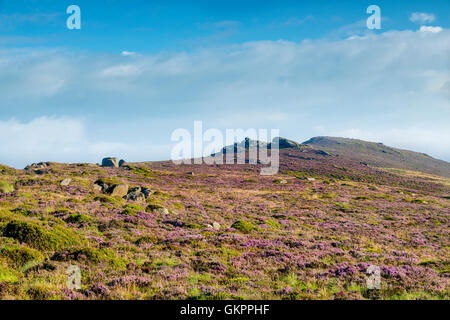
(226, 232)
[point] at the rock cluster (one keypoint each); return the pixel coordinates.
(112, 162)
(122, 190)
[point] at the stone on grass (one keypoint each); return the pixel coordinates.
(146, 192)
(119, 190)
(216, 225)
(135, 196)
(110, 162)
(66, 182)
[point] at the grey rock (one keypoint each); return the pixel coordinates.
(122, 163)
(135, 196)
(66, 182)
(216, 225)
(119, 190)
(146, 192)
(161, 210)
(110, 162)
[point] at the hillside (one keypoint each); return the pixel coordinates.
(163, 231)
(379, 155)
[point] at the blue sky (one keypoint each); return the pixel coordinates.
(138, 70)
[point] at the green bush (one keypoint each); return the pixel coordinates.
(93, 255)
(19, 256)
(8, 275)
(78, 218)
(39, 237)
(153, 206)
(243, 226)
(108, 200)
(273, 224)
(146, 239)
(6, 187)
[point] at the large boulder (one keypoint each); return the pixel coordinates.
(110, 162)
(119, 190)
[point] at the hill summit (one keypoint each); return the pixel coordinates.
(380, 155)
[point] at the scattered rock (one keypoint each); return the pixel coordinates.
(311, 179)
(135, 196)
(146, 192)
(99, 185)
(164, 211)
(122, 163)
(41, 171)
(216, 225)
(110, 162)
(155, 208)
(119, 190)
(190, 173)
(66, 182)
(40, 165)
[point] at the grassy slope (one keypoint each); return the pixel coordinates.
(295, 240)
(379, 155)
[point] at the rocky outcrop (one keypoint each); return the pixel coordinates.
(284, 143)
(110, 162)
(119, 190)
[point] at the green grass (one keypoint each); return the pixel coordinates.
(40, 238)
(6, 187)
(243, 226)
(19, 256)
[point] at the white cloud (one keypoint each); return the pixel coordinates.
(422, 17)
(430, 29)
(63, 139)
(128, 53)
(379, 81)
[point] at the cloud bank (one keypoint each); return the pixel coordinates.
(387, 83)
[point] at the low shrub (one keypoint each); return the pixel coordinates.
(39, 237)
(243, 226)
(19, 256)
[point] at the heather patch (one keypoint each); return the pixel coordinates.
(225, 232)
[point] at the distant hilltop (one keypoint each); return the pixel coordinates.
(366, 153)
(380, 155)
